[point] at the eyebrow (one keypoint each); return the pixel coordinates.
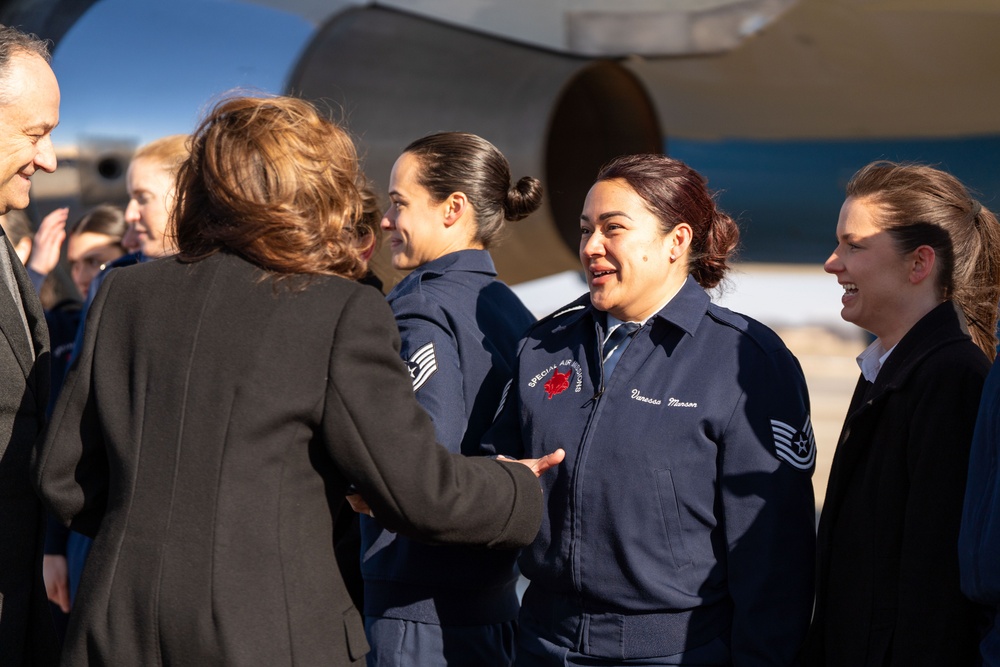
(604, 216)
(41, 127)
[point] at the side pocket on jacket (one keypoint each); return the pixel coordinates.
(670, 513)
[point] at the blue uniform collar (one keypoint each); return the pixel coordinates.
(687, 308)
(470, 261)
(684, 311)
(475, 261)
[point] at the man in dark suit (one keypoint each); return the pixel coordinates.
(29, 110)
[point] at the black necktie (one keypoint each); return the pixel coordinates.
(615, 345)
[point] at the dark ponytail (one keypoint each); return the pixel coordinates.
(674, 192)
(461, 162)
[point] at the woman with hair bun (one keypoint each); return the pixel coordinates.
(680, 528)
(919, 261)
(451, 195)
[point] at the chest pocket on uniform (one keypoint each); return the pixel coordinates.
(670, 514)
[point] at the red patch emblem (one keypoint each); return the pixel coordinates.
(558, 383)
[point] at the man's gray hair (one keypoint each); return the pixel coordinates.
(13, 41)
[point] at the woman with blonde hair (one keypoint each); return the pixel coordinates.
(919, 260)
(227, 398)
(151, 179)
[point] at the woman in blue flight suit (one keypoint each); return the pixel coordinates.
(679, 528)
(450, 196)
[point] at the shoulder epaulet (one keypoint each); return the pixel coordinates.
(579, 305)
(760, 334)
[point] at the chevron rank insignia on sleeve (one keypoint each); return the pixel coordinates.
(422, 364)
(795, 446)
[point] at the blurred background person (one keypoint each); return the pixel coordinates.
(919, 261)
(150, 182)
(450, 194)
(224, 401)
(94, 242)
(680, 529)
(151, 188)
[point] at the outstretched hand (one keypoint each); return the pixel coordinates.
(540, 465)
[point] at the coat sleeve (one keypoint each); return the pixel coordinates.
(979, 538)
(70, 466)
(935, 624)
(431, 355)
(768, 455)
(383, 442)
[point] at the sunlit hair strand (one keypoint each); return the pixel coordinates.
(273, 181)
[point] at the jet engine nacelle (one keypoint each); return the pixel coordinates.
(392, 77)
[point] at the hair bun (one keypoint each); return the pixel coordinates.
(522, 199)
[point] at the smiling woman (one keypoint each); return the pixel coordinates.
(451, 196)
(150, 181)
(919, 260)
(705, 554)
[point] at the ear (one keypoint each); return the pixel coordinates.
(923, 260)
(455, 207)
(680, 241)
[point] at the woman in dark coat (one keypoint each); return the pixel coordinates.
(920, 269)
(224, 401)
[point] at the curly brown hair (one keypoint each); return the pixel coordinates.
(273, 181)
